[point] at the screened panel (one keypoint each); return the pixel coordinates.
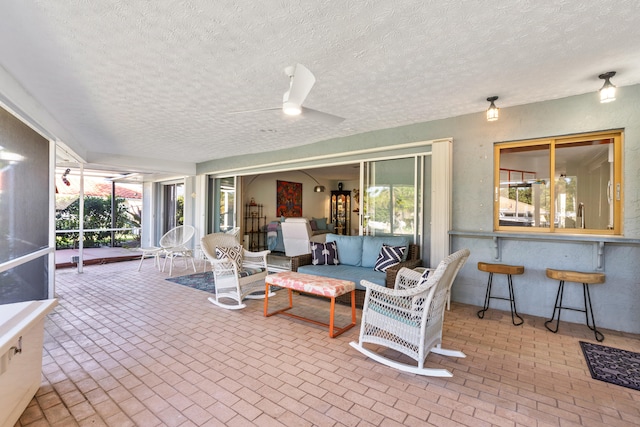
(24, 210)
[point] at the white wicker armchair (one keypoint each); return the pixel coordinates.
(409, 317)
(231, 281)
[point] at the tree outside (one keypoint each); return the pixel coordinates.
(97, 214)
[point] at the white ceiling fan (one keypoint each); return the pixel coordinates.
(301, 80)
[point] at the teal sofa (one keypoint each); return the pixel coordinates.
(358, 255)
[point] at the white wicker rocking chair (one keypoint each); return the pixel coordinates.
(231, 281)
(409, 317)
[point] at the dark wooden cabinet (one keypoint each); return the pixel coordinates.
(341, 211)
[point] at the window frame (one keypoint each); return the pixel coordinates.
(616, 135)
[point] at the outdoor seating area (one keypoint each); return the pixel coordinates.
(179, 360)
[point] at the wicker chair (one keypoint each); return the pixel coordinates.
(409, 317)
(232, 281)
(413, 261)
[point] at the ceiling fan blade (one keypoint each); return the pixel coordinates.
(321, 116)
(301, 83)
(256, 110)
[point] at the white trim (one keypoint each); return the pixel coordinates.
(51, 259)
(15, 262)
(296, 163)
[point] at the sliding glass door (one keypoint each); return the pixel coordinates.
(173, 204)
(391, 197)
(222, 214)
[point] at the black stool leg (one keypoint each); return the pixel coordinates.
(558, 307)
(486, 298)
(587, 303)
(512, 297)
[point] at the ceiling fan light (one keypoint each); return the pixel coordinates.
(291, 109)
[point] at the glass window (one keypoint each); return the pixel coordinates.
(173, 206)
(565, 184)
(390, 197)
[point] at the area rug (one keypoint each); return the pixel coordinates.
(612, 365)
(203, 281)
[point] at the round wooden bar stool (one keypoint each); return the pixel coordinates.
(509, 270)
(577, 277)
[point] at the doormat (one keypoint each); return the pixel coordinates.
(612, 365)
(203, 281)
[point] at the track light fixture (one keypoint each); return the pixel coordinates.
(608, 90)
(492, 112)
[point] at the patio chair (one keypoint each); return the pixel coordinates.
(297, 236)
(409, 317)
(235, 231)
(152, 251)
(238, 273)
(174, 244)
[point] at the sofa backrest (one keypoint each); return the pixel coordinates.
(371, 246)
(349, 248)
(362, 251)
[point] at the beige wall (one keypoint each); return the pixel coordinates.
(263, 189)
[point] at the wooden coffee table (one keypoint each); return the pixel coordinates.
(314, 285)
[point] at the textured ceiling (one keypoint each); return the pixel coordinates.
(156, 80)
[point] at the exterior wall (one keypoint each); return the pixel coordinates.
(616, 301)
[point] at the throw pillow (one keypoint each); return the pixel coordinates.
(324, 253)
(424, 277)
(388, 257)
(234, 253)
(321, 223)
(313, 225)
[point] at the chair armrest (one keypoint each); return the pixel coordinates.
(255, 259)
(392, 272)
(298, 260)
(374, 287)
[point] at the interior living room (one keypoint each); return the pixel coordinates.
(466, 142)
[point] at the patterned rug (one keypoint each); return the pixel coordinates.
(612, 365)
(203, 281)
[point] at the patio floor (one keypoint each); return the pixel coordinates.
(128, 348)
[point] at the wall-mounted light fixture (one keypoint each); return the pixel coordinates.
(493, 112)
(608, 90)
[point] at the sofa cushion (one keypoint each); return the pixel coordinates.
(372, 244)
(346, 272)
(313, 225)
(389, 256)
(324, 253)
(350, 249)
(321, 223)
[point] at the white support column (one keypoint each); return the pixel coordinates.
(441, 199)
